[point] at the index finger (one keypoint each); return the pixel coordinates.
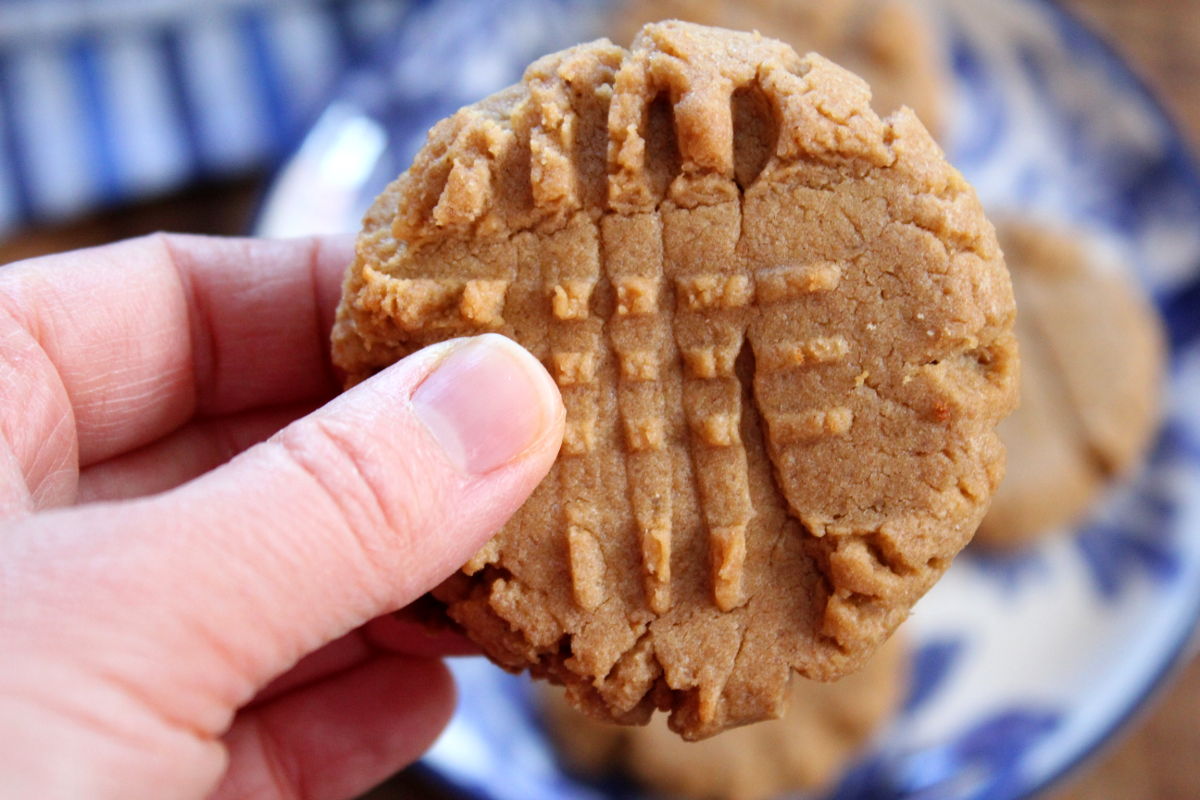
(144, 334)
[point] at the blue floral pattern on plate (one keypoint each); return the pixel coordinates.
(1023, 665)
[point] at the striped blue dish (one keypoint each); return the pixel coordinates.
(1023, 665)
(107, 101)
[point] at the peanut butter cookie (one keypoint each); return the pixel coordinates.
(891, 44)
(823, 728)
(1093, 358)
(782, 329)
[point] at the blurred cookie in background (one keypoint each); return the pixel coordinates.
(824, 727)
(889, 43)
(1092, 361)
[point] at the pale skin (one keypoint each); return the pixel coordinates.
(201, 547)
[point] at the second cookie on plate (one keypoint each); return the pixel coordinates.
(823, 728)
(1092, 361)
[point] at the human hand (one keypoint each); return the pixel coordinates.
(173, 625)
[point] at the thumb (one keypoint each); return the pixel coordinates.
(346, 514)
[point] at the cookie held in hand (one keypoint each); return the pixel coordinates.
(783, 333)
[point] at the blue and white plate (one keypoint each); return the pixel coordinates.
(1024, 665)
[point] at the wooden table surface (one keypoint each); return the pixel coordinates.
(1157, 757)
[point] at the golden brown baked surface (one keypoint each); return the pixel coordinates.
(1093, 359)
(782, 329)
(823, 728)
(889, 43)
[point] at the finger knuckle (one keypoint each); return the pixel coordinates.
(357, 479)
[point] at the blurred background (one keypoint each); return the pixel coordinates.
(122, 117)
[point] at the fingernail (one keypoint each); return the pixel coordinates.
(487, 403)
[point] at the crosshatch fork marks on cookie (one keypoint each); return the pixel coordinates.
(765, 309)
